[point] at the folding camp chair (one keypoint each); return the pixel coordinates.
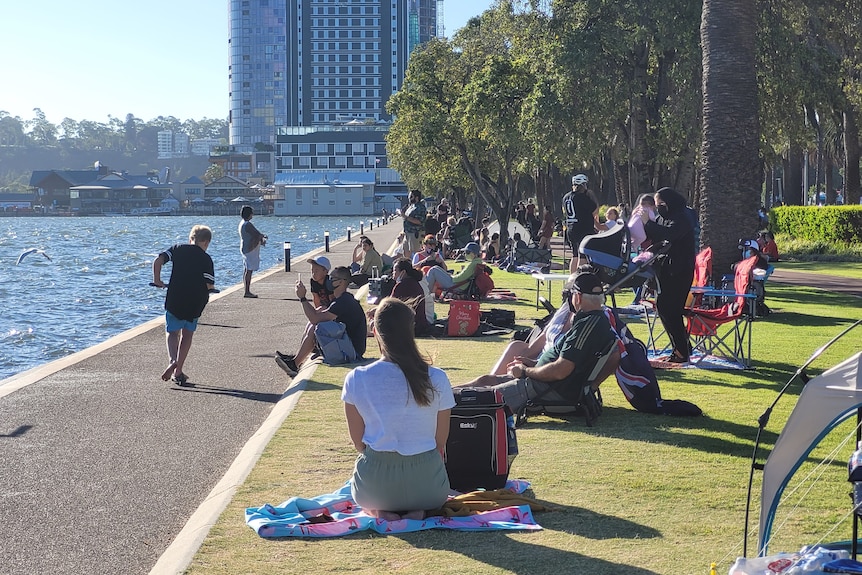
(590, 404)
(726, 330)
(701, 283)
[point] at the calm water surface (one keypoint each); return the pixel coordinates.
(96, 285)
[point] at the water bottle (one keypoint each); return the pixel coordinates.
(374, 272)
(511, 440)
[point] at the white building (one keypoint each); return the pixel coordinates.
(324, 194)
(203, 146)
(181, 145)
(165, 144)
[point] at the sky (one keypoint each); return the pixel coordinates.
(91, 59)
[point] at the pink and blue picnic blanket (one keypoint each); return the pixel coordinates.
(336, 514)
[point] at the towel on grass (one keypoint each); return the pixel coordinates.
(335, 514)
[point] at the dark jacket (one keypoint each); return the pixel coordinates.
(677, 228)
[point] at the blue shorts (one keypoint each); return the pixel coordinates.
(173, 323)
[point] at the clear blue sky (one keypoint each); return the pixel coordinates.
(90, 59)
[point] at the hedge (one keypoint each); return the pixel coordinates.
(834, 224)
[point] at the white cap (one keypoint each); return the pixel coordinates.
(322, 261)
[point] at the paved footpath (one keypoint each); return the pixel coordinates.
(103, 463)
(836, 284)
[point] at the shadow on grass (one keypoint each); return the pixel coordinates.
(707, 434)
(517, 555)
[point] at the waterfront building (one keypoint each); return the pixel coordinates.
(122, 193)
(311, 78)
(52, 187)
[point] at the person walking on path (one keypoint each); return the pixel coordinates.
(250, 242)
(192, 278)
(397, 412)
(546, 230)
(414, 223)
(582, 216)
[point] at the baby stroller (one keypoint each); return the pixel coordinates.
(609, 253)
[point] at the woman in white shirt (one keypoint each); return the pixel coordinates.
(397, 411)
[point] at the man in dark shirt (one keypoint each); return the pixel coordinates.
(344, 308)
(192, 278)
(582, 215)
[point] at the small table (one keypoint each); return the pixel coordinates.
(547, 278)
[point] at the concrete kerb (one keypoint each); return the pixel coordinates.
(179, 554)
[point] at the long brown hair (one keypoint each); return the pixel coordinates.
(393, 323)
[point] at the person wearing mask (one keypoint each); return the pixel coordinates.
(430, 255)
(581, 212)
(344, 308)
(410, 287)
(397, 412)
(674, 223)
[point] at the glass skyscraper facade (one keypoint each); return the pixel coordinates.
(318, 62)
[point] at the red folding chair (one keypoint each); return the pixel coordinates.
(726, 330)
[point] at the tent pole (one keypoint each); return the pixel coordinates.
(855, 545)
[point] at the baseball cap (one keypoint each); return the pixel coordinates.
(587, 282)
(748, 244)
(322, 261)
(472, 247)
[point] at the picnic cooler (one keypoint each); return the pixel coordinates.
(482, 442)
(379, 288)
(463, 318)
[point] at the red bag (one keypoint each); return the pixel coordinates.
(463, 318)
(484, 283)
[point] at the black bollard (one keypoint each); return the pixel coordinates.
(378, 222)
(361, 228)
(326, 240)
(348, 233)
(371, 224)
(287, 256)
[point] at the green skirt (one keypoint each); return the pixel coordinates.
(389, 481)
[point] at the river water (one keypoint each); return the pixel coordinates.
(96, 283)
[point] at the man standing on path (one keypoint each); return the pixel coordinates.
(250, 242)
(344, 308)
(414, 225)
(582, 215)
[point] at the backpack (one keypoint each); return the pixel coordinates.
(483, 281)
(334, 343)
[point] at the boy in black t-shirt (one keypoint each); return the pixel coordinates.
(192, 278)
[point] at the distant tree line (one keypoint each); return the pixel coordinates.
(130, 144)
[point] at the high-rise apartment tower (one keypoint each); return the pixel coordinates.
(319, 62)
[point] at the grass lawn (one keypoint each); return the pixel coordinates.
(636, 494)
(830, 268)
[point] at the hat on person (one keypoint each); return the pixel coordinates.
(579, 179)
(748, 244)
(472, 247)
(430, 239)
(322, 261)
(589, 283)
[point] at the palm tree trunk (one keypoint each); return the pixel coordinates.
(730, 171)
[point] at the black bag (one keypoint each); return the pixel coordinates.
(482, 442)
(499, 317)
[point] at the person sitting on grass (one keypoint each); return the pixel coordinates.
(397, 412)
(429, 255)
(365, 259)
(192, 278)
(560, 373)
(344, 308)
(410, 287)
(438, 278)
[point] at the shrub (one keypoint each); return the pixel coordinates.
(828, 224)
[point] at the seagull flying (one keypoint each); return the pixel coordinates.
(26, 253)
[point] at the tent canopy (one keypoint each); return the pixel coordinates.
(825, 402)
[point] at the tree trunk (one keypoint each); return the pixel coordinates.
(730, 172)
(852, 185)
(793, 177)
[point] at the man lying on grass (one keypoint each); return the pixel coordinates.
(560, 372)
